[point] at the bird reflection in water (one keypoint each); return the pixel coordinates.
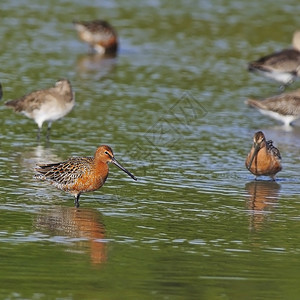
(83, 224)
(262, 197)
(97, 65)
(37, 154)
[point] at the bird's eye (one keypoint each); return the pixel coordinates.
(108, 154)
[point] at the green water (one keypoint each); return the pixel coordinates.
(171, 105)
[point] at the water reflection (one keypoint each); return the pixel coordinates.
(27, 161)
(96, 64)
(37, 154)
(82, 224)
(262, 197)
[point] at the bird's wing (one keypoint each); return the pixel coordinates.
(287, 59)
(286, 104)
(273, 149)
(65, 172)
(28, 102)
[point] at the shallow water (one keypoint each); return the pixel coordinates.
(171, 105)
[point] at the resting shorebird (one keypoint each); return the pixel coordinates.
(284, 107)
(282, 66)
(263, 158)
(100, 35)
(80, 174)
(46, 105)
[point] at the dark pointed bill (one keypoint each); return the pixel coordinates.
(256, 149)
(114, 161)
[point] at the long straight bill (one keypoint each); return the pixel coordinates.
(114, 161)
(256, 149)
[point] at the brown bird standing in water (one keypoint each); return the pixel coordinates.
(79, 175)
(100, 35)
(263, 158)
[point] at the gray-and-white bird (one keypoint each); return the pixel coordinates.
(282, 66)
(284, 107)
(46, 105)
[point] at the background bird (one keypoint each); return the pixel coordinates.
(282, 66)
(100, 35)
(46, 105)
(284, 107)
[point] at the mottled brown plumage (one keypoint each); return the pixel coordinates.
(46, 105)
(282, 66)
(284, 107)
(264, 158)
(100, 35)
(80, 174)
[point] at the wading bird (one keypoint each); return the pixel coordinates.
(46, 105)
(282, 66)
(100, 35)
(79, 175)
(263, 158)
(284, 107)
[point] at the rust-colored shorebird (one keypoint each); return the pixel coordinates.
(100, 35)
(282, 66)
(78, 175)
(263, 158)
(284, 107)
(46, 105)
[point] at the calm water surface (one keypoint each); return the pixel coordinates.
(171, 105)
